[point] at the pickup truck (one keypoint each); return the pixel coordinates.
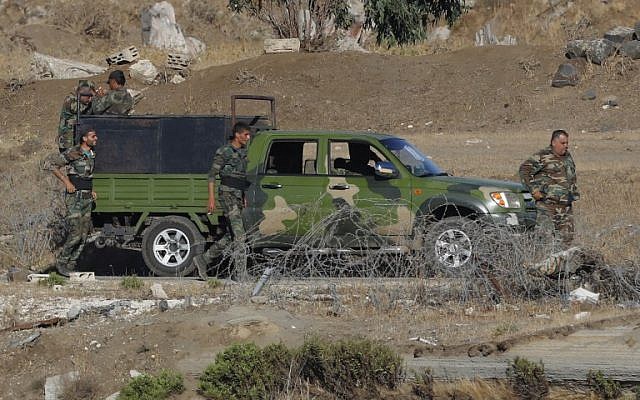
(371, 190)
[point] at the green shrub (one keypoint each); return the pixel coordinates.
(527, 379)
(239, 372)
(605, 388)
(148, 387)
(52, 280)
(213, 283)
(132, 282)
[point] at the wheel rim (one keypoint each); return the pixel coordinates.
(171, 247)
(453, 248)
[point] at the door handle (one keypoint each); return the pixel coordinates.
(271, 185)
(339, 186)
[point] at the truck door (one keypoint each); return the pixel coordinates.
(287, 200)
(376, 211)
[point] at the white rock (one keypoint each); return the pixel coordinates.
(47, 67)
(582, 295)
(158, 292)
(113, 396)
(195, 47)
(441, 33)
(582, 315)
(143, 71)
(159, 28)
(54, 385)
(133, 373)
(177, 79)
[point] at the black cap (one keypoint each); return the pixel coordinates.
(118, 75)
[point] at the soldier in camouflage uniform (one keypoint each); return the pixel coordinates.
(230, 163)
(80, 99)
(550, 176)
(117, 101)
(79, 161)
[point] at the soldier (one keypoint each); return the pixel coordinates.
(80, 99)
(230, 162)
(117, 100)
(550, 176)
(79, 161)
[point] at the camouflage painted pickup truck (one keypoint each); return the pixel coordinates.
(367, 190)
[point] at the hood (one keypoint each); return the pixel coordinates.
(466, 184)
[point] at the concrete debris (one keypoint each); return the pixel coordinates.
(57, 288)
(80, 277)
(178, 62)
(47, 67)
(566, 75)
(177, 79)
(54, 385)
(582, 315)
(144, 71)
(158, 292)
(124, 56)
(281, 45)
(26, 341)
(486, 37)
(620, 34)
(429, 341)
(582, 295)
(160, 30)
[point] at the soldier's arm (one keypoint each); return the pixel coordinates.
(55, 164)
(216, 165)
(528, 169)
(100, 104)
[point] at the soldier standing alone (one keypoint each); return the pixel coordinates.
(74, 102)
(230, 163)
(117, 101)
(79, 161)
(550, 176)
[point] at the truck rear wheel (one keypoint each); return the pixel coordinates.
(168, 246)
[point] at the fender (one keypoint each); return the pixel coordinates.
(453, 201)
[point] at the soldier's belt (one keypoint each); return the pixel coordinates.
(236, 183)
(81, 183)
(83, 194)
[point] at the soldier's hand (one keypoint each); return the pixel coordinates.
(70, 188)
(100, 91)
(537, 195)
(212, 204)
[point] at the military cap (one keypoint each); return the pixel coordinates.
(85, 87)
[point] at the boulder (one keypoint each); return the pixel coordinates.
(636, 31)
(143, 71)
(596, 50)
(160, 30)
(590, 94)
(440, 33)
(47, 67)
(195, 47)
(566, 75)
(630, 49)
(620, 34)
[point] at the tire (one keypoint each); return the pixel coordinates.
(169, 245)
(451, 243)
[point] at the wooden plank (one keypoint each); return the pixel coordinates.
(282, 45)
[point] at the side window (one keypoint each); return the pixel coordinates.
(353, 158)
(292, 157)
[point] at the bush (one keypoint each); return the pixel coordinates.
(605, 388)
(132, 282)
(527, 379)
(52, 280)
(148, 387)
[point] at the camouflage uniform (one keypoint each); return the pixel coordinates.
(231, 164)
(116, 102)
(555, 177)
(68, 116)
(78, 218)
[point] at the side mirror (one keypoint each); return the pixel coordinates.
(386, 169)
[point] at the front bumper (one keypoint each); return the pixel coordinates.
(517, 220)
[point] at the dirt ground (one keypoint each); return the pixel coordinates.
(477, 111)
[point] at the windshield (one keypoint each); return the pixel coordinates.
(412, 158)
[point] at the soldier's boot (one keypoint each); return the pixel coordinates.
(65, 269)
(201, 265)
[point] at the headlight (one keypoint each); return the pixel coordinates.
(506, 199)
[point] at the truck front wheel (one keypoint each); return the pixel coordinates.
(451, 242)
(168, 246)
